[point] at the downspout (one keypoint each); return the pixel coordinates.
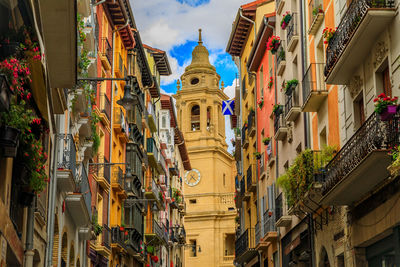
(99, 3)
(29, 253)
(249, 20)
(122, 27)
(52, 197)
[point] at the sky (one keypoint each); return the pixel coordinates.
(172, 26)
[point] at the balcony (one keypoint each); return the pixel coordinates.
(281, 220)
(156, 235)
(245, 141)
(152, 152)
(281, 60)
(292, 104)
(134, 243)
(244, 195)
(136, 134)
(118, 182)
(270, 233)
(251, 178)
(153, 191)
(263, 169)
(103, 243)
(279, 6)
(316, 16)
(355, 36)
(280, 127)
(251, 129)
(101, 172)
(105, 53)
(105, 108)
(361, 164)
(245, 246)
(314, 91)
(181, 234)
(292, 35)
(66, 166)
(120, 125)
(152, 118)
(78, 203)
(133, 217)
(258, 233)
(119, 68)
(118, 239)
(244, 91)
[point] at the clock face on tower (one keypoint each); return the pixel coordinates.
(192, 177)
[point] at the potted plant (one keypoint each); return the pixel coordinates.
(277, 109)
(150, 249)
(273, 44)
(385, 106)
(266, 140)
(257, 155)
(328, 33)
(317, 10)
(260, 102)
(251, 109)
(270, 82)
(97, 228)
(285, 20)
(394, 167)
(290, 86)
(245, 124)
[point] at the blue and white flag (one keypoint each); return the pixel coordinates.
(228, 107)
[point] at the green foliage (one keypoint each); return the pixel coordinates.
(290, 83)
(266, 140)
(97, 228)
(300, 176)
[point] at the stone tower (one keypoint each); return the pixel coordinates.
(209, 186)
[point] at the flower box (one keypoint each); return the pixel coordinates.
(388, 113)
(9, 135)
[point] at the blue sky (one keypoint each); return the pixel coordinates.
(172, 26)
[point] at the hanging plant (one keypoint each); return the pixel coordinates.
(257, 155)
(277, 109)
(285, 20)
(273, 44)
(328, 33)
(270, 82)
(260, 102)
(317, 10)
(266, 140)
(290, 85)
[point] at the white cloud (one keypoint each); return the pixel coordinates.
(230, 90)
(165, 23)
(177, 70)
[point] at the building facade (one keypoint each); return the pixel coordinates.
(209, 186)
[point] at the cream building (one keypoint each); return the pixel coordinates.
(209, 186)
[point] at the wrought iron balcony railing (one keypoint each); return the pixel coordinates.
(244, 91)
(83, 187)
(251, 177)
(106, 106)
(251, 123)
(280, 54)
(106, 49)
(242, 187)
(278, 207)
(314, 90)
(118, 177)
(106, 236)
(118, 236)
(361, 164)
(348, 26)
(258, 233)
(269, 221)
(66, 153)
(279, 122)
(291, 31)
(292, 100)
(245, 242)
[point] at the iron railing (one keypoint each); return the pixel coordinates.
(152, 147)
(279, 121)
(313, 80)
(251, 120)
(269, 221)
(165, 229)
(245, 242)
(83, 187)
(106, 49)
(291, 29)
(278, 207)
(158, 230)
(244, 134)
(242, 187)
(250, 176)
(244, 91)
(106, 106)
(374, 134)
(66, 153)
(106, 236)
(106, 170)
(314, 8)
(258, 232)
(118, 236)
(280, 54)
(292, 100)
(348, 26)
(118, 177)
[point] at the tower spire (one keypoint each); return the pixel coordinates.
(200, 41)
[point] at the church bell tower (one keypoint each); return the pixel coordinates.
(209, 186)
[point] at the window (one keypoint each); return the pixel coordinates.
(261, 77)
(194, 81)
(387, 88)
(229, 245)
(192, 201)
(359, 112)
(195, 116)
(193, 245)
(322, 138)
(164, 122)
(224, 179)
(208, 118)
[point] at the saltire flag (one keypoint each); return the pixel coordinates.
(228, 107)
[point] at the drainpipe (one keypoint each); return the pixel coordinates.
(249, 20)
(122, 27)
(99, 3)
(29, 253)
(52, 197)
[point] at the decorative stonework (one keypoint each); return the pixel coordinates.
(355, 86)
(380, 53)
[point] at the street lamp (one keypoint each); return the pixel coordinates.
(127, 101)
(5, 93)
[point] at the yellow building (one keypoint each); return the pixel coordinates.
(209, 186)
